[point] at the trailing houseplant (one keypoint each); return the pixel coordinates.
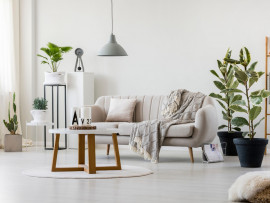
(13, 141)
(250, 150)
(39, 111)
(226, 80)
(53, 57)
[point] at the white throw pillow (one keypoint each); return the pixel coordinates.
(121, 110)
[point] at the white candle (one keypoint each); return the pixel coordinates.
(86, 115)
(85, 112)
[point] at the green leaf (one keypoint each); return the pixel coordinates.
(238, 108)
(222, 105)
(241, 56)
(52, 46)
(232, 91)
(219, 85)
(251, 82)
(46, 50)
(44, 62)
(222, 126)
(252, 66)
(230, 80)
(256, 93)
(256, 125)
(235, 84)
(231, 61)
(256, 100)
(225, 116)
(219, 63)
(42, 56)
(236, 97)
(239, 121)
(265, 93)
(223, 70)
(237, 129)
(239, 102)
(228, 53)
(247, 55)
(65, 49)
(260, 73)
(214, 73)
(241, 76)
(254, 112)
(217, 96)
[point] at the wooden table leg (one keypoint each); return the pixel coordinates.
(55, 151)
(116, 151)
(91, 154)
(81, 149)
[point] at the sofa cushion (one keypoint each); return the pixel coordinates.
(105, 124)
(121, 110)
(181, 130)
(125, 128)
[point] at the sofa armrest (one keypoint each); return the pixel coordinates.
(97, 114)
(206, 126)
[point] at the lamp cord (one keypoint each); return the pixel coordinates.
(112, 14)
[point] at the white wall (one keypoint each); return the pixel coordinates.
(171, 44)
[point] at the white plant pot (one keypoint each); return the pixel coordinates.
(54, 78)
(39, 115)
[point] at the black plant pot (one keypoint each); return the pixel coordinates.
(250, 151)
(227, 137)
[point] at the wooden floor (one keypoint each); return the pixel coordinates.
(175, 179)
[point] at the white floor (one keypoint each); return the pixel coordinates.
(175, 179)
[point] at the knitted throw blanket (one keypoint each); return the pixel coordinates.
(147, 137)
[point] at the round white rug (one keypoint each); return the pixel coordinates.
(126, 172)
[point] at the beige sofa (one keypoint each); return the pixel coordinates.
(190, 135)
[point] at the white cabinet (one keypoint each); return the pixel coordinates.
(80, 92)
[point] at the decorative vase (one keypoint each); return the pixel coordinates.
(54, 78)
(13, 143)
(39, 115)
(227, 137)
(250, 151)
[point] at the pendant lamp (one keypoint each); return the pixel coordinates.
(112, 48)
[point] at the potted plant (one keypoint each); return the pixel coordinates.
(250, 150)
(54, 55)
(13, 141)
(226, 80)
(40, 110)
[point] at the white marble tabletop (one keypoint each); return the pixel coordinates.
(100, 131)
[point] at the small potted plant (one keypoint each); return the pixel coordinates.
(13, 141)
(40, 110)
(54, 55)
(226, 80)
(250, 150)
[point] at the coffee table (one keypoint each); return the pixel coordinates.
(91, 168)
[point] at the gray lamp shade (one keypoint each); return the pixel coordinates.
(112, 48)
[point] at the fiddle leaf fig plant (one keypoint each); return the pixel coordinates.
(54, 55)
(227, 99)
(246, 75)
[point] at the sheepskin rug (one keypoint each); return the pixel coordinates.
(252, 187)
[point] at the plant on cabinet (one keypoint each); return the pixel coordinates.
(13, 141)
(250, 150)
(54, 55)
(226, 80)
(39, 111)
